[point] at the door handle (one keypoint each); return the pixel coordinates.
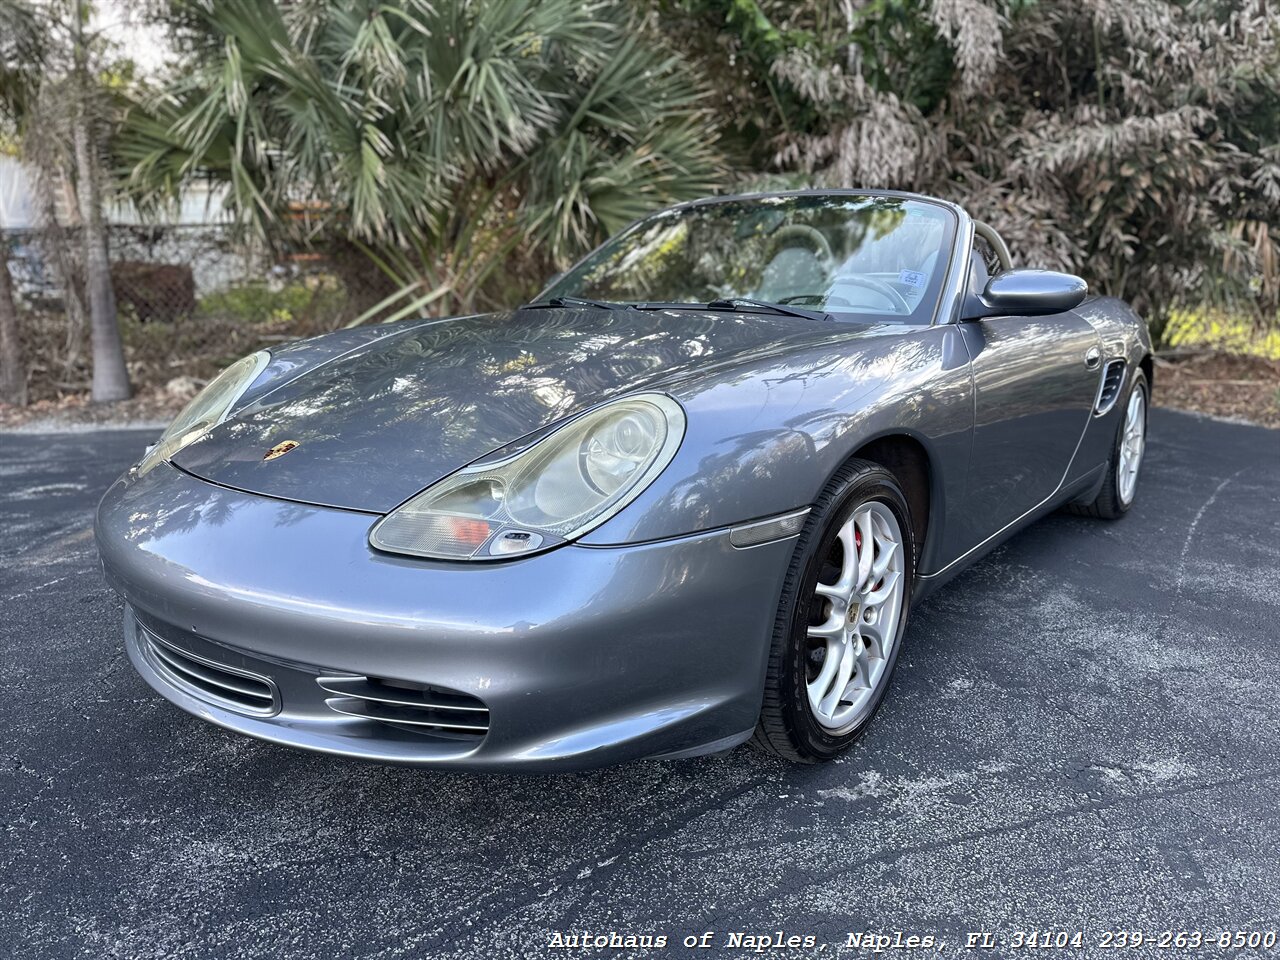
(1092, 357)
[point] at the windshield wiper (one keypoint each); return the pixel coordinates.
(576, 302)
(731, 303)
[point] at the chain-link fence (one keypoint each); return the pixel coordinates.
(190, 298)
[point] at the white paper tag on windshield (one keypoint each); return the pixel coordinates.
(912, 278)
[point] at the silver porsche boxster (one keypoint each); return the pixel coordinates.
(683, 499)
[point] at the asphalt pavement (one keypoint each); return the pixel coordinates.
(1083, 736)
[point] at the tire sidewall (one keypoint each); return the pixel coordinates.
(811, 737)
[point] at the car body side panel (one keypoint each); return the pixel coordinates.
(1120, 331)
(1033, 394)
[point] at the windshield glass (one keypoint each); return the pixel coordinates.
(854, 257)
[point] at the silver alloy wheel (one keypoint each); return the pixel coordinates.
(854, 618)
(1132, 442)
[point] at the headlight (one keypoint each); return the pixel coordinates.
(207, 409)
(562, 486)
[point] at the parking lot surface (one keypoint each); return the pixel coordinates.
(1083, 735)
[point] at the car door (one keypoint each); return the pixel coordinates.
(1034, 379)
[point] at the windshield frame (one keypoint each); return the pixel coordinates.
(960, 230)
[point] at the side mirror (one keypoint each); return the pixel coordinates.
(1026, 293)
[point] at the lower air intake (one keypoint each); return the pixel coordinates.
(229, 687)
(415, 707)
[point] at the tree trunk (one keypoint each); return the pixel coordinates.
(13, 370)
(110, 377)
(58, 245)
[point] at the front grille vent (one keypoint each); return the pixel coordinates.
(418, 708)
(226, 686)
(1112, 381)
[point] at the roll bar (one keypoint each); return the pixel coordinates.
(997, 244)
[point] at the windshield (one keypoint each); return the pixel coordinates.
(854, 257)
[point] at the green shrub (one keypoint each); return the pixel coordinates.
(1222, 331)
(276, 304)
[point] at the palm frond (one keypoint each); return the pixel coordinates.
(444, 137)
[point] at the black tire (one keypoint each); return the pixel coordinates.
(787, 727)
(1108, 504)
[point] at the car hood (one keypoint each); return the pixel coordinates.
(389, 418)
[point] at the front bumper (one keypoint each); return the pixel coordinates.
(582, 657)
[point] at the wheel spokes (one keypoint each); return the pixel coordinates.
(860, 613)
(833, 591)
(864, 665)
(885, 590)
(843, 588)
(820, 686)
(831, 628)
(873, 639)
(881, 564)
(866, 534)
(1132, 443)
(844, 672)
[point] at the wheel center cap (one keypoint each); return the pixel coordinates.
(855, 609)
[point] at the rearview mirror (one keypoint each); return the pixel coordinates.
(1026, 293)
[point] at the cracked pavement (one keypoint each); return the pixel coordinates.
(1084, 734)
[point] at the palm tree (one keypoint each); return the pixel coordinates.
(43, 44)
(110, 375)
(455, 143)
(20, 52)
(13, 367)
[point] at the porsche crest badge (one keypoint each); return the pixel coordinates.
(280, 449)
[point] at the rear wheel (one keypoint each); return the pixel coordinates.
(1121, 486)
(842, 615)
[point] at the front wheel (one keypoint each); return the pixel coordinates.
(841, 619)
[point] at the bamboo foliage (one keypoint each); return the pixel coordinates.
(1132, 142)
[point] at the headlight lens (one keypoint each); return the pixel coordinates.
(559, 488)
(207, 409)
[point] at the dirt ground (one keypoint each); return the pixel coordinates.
(1223, 385)
(73, 411)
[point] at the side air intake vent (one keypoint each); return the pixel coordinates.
(1112, 380)
(415, 707)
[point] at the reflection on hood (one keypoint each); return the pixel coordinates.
(380, 424)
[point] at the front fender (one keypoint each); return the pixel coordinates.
(1123, 333)
(766, 438)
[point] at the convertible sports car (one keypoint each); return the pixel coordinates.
(682, 500)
